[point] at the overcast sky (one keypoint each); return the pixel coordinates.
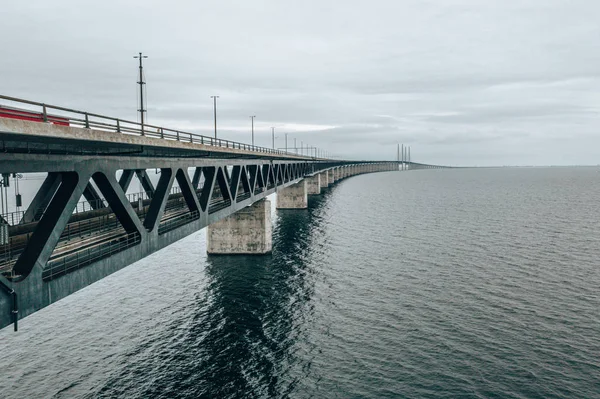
(463, 82)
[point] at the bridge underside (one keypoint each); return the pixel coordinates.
(86, 221)
(82, 225)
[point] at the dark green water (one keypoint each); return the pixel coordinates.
(433, 284)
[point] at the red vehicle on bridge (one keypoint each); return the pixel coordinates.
(27, 115)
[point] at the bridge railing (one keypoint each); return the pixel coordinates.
(42, 112)
(14, 218)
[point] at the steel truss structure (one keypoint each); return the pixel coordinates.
(54, 252)
(61, 244)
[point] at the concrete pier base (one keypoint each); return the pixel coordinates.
(330, 176)
(246, 232)
(293, 197)
(324, 179)
(313, 185)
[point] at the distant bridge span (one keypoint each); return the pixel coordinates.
(82, 224)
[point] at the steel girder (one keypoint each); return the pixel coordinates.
(52, 264)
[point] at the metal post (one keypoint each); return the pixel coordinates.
(402, 158)
(273, 136)
(141, 83)
(252, 117)
(215, 112)
(286, 142)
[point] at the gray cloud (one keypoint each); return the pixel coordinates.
(461, 81)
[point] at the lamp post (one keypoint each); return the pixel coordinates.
(252, 117)
(215, 112)
(273, 136)
(286, 142)
(141, 83)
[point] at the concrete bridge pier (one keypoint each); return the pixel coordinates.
(246, 232)
(324, 177)
(313, 184)
(330, 176)
(293, 197)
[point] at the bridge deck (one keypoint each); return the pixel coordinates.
(26, 136)
(54, 250)
(55, 129)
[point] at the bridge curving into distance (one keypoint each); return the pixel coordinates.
(83, 223)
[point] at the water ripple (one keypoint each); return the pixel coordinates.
(456, 283)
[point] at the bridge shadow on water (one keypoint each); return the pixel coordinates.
(244, 337)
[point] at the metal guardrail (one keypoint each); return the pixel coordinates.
(14, 218)
(89, 255)
(45, 113)
(178, 220)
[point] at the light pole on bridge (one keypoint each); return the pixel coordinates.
(252, 117)
(273, 136)
(141, 83)
(215, 112)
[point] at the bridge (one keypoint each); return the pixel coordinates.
(85, 221)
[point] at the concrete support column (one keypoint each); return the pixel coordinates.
(293, 197)
(330, 176)
(246, 232)
(324, 177)
(313, 184)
